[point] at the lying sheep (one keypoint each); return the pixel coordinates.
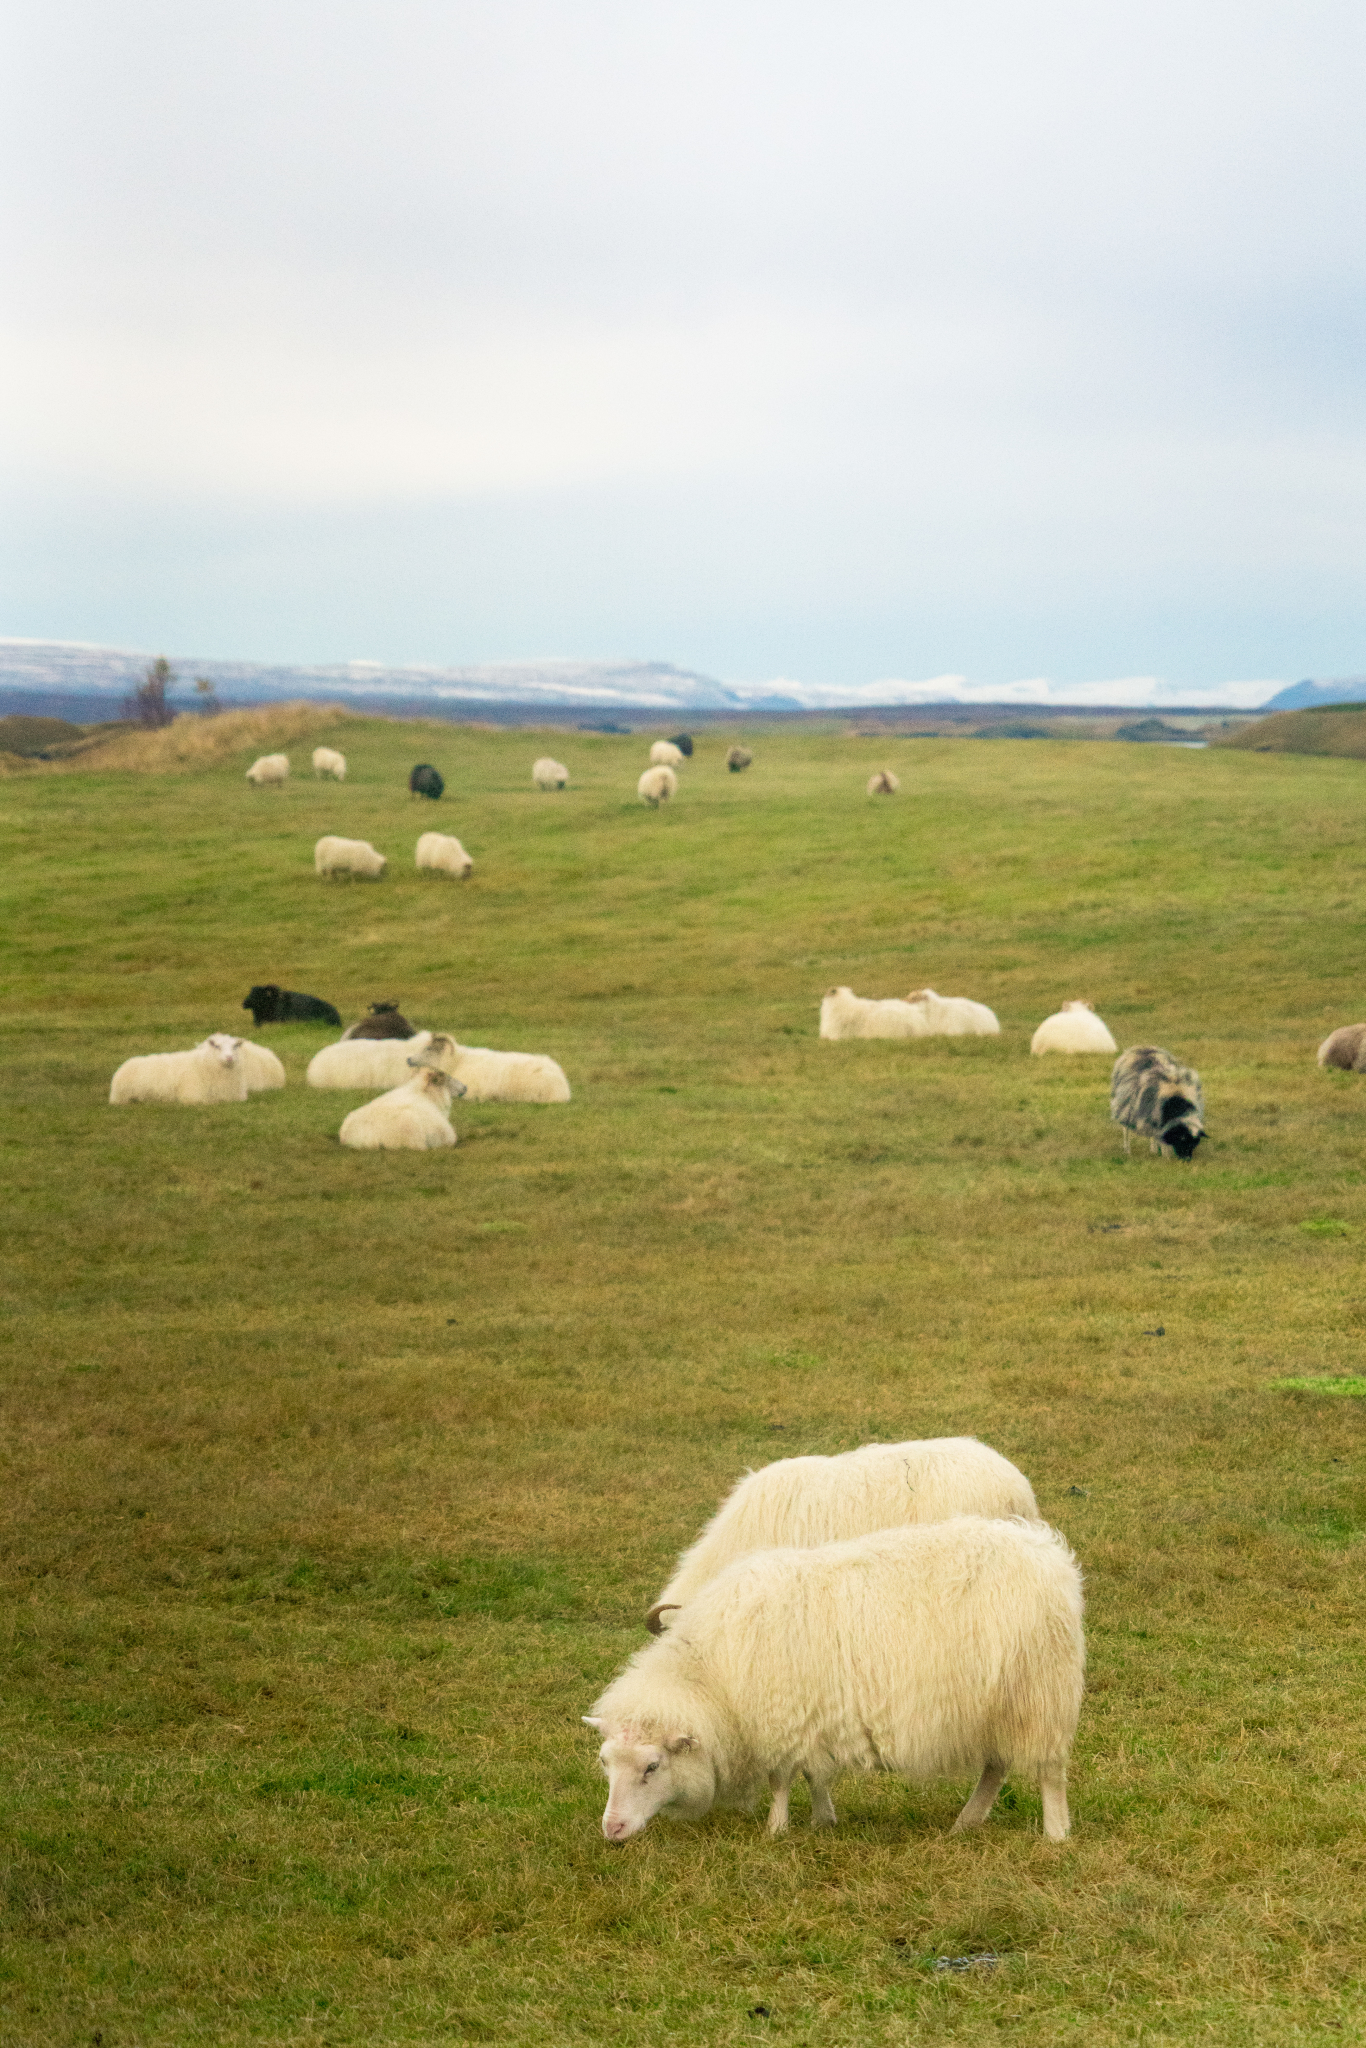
(845, 1015)
(271, 1004)
(211, 1071)
(441, 853)
(383, 1021)
(952, 1016)
(415, 1117)
(1345, 1048)
(263, 1070)
(938, 1651)
(665, 754)
(884, 783)
(548, 774)
(366, 1062)
(1073, 1028)
(501, 1076)
(656, 786)
(802, 1501)
(327, 761)
(271, 768)
(333, 856)
(1153, 1094)
(738, 758)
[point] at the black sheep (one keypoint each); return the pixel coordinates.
(683, 742)
(383, 1021)
(425, 781)
(270, 1004)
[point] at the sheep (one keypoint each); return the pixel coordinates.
(271, 1004)
(270, 769)
(804, 1501)
(549, 774)
(1153, 1094)
(501, 1076)
(884, 783)
(666, 754)
(383, 1021)
(333, 856)
(656, 786)
(738, 758)
(1073, 1028)
(952, 1016)
(327, 761)
(415, 1117)
(426, 781)
(366, 1062)
(683, 742)
(211, 1071)
(441, 853)
(263, 1070)
(1346, 1048)
(951, 1648)
(845, 1015)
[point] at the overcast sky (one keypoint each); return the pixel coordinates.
(834, 342)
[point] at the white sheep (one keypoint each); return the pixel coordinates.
(939, 1651)
(1345, 1048)
(262, 1067)
(415, 1117)
(664, 754)
(549, 774)
(333, 856)
(1073, 1028)
(366, 1062)
(271, 768)
(327, 761)
(656, 786)
(884, 783)
(211, 1071)
(952, 1016)
(845, 1015)
(441, 853)
(501, 1076)
(803, 1501)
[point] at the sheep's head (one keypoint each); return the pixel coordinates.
(441, 1047)
(223, 1046)
(435, 1080)
(922, 995)
(1079, 1005)
(645, 1774)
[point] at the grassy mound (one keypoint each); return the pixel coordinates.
(1338, 729)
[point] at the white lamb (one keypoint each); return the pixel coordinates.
(211, 1071)
(845, 1015)
(952, 1016)
(413, 1118)
(1073, 1028)
(803, 1501)
(261, 1066)
(441, 853)
(949, 1650)
(548, 774)
(271, 768)
(333, 856)
(501, 1076)
(656, 786)
(327, 761)
(884, 783)
(664, 754)
(366, 1062)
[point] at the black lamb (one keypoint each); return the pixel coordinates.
(383, 1021)
(270, 1004)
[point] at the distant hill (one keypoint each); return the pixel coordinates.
(1324, 729)
(1304, 696)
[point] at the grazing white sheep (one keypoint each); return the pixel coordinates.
(951, 1649)
(271, 768)
(548, 774)
(1073, 1028)
(952, 1016)
(501, 1076)
(1346, 1048)
(664, 754)
(413, 1118)
(656, 786)
(262, 1067)
(441, 853)
(333, 856)
(366, 1062)
(211, 1071)
(884, 783)
(327, 761)
(845, 1015)
(802, 1501)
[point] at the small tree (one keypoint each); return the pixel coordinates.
(147, 704)
(208, 698)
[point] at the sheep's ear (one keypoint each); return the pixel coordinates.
(678, 1743)
(591, 1721)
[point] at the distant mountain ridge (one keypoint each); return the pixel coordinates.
(1304, 696)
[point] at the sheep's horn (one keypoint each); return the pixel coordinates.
(652, 1620)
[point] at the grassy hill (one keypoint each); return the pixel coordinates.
(335, 1485)
(1338, 729)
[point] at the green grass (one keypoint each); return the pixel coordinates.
(335, 1485)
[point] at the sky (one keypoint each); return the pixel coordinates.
(858, 345)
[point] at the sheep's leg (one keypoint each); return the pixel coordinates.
(983, 1799)
(779, 1786)
(1126, 1141)
(1153, 1145)
(823, 1813)
(1057, 1822)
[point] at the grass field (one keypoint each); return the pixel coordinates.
(335, 1485)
